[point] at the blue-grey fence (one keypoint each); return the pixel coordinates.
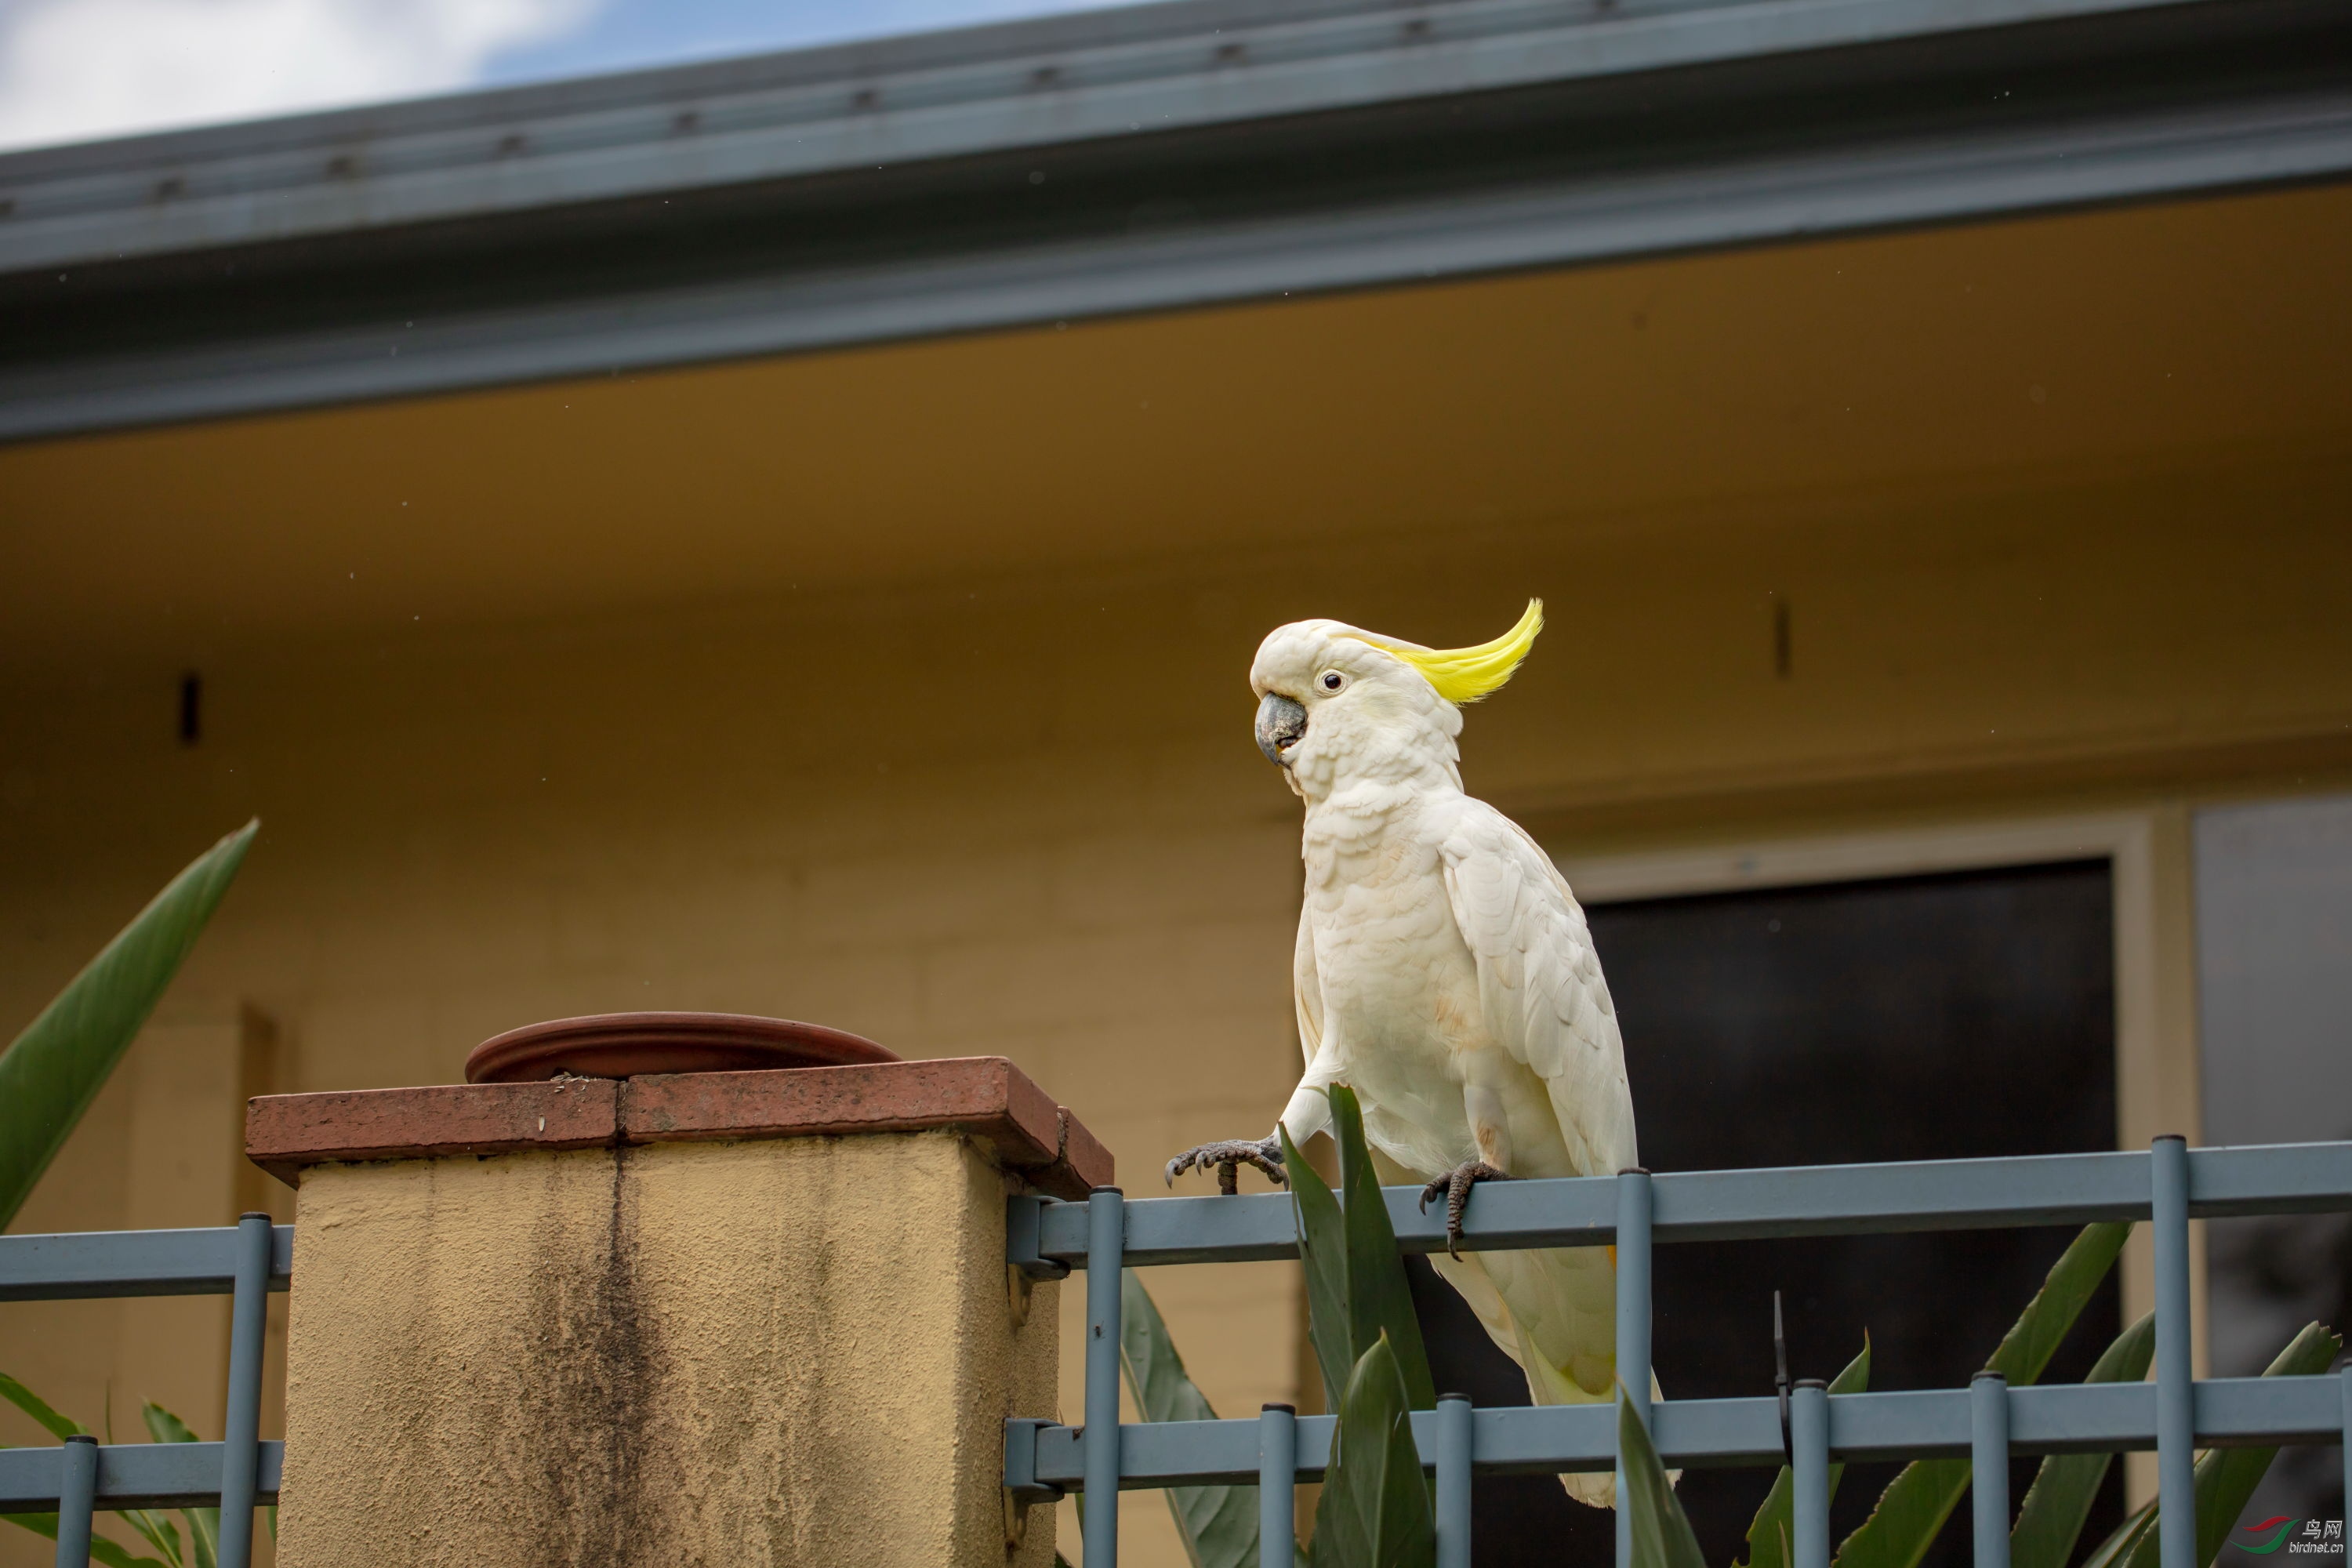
(245, 1262)
(2167, 1186)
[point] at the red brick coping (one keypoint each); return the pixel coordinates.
(986, 1097)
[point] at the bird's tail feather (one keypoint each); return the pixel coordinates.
(1550, 1385)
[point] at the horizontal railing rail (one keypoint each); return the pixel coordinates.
(1927, 1424)
(133, 1475)
(1730, 1205)
(91, 1264)
(1634, 1210)
(245, 1262)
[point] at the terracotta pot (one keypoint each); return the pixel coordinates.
(625, 1045)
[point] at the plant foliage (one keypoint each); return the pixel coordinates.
(2226, 1477)
(1911, 1511)
(1662, 1537)
(154, 1525)
(1356, 1286)
(1374, 1511)
(55, 1068)
(1768, 1536)
(1217, 1524)
(2066, 1485)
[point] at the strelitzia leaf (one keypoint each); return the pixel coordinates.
(101, 1550)
(55, 1068)
(1323, 1259)
(1217, 1524)
(161, 1532)
(1911, 1511)
(2119, 1547)
(1374, 1511)
(204, 1523)
(1768, 1536)
(2226, 1477)
(2067, 1484)
(1662, 1537)
(1380, 1301)
(32, 1405)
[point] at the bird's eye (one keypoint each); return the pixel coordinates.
(1331, 680)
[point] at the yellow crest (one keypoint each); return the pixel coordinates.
(1467, 674)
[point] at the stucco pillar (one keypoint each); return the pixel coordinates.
(733, 1319)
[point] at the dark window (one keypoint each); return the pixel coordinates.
(1926, 1017)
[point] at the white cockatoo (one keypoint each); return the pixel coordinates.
(1444, 971)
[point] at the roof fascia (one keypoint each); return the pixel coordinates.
(2120, 104)
(868, 108)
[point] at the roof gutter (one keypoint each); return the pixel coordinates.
(1157, 158)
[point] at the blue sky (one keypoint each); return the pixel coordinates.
(74, 70)
(633, 33)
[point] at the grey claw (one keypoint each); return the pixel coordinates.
(1456, 1184)
(1228, 1158)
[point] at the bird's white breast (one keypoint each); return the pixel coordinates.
(1398, 986)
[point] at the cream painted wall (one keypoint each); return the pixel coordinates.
(1021, 815)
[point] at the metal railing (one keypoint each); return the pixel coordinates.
(2168, 1185)
(245, 1262)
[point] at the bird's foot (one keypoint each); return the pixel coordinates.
(1229, 1157)
(1455, 1186)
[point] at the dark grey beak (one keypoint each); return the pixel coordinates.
(1280, 723)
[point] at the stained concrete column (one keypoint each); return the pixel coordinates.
(735, 1319)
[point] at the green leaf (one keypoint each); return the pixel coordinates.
(2119, 1547)
(32, 1405)
(165, 1427)
(1323, 1257)
(2226, 1477)
(2072, 1280)
(1379, 1302)
(2066, 1485)
(1662, 1532)
(1374, 1511)
(161, 1532)
(1911, 1511)
(1768, 1536)
(204, 1523)
(1217, 1524)
(55, 1068)
(101, 1550)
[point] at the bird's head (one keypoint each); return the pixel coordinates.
(1338, 704)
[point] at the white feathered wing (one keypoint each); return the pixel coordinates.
(1545, 1002)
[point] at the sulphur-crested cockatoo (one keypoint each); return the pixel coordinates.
(1444, 971)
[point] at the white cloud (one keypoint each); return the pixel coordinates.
(74, 70)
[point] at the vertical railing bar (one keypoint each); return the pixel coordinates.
(1278, 1484)
(2175, 1423)
(77, 1499)
(1106, 1250)
(1809, 1481)
(1989, 1468)
(241, 1428)
(1455, 1434)
(2347, 1375)
(1632, 1325)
